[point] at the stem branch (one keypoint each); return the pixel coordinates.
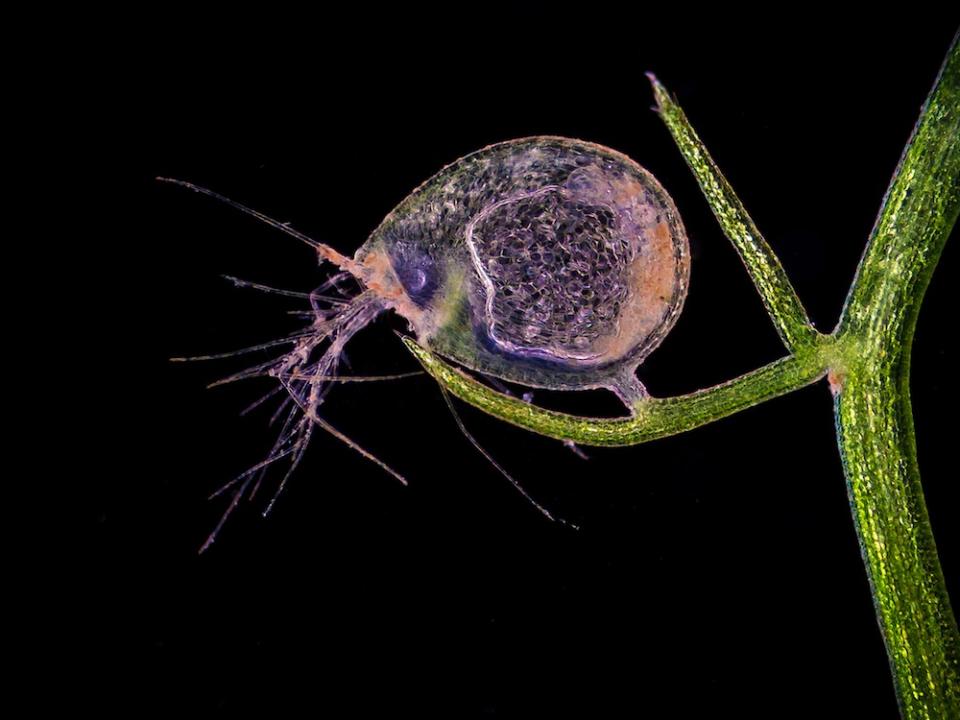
(868, 358)
(781, 300)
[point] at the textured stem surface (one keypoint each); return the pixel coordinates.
(868, 361)
(874, 419)
(654, 418)
(781, 300)
(875, 433)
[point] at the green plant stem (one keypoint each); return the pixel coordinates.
(781, 300)
(874, 430)
(654, 417)
(867, 360)
(874, 418)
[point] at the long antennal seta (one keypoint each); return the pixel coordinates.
(324, 251)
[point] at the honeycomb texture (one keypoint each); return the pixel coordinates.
(555, 269)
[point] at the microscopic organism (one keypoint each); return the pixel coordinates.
(544, 261)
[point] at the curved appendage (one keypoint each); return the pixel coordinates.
(653, 417)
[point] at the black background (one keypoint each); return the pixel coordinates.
(716, 572)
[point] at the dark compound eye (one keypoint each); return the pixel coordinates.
(560, 264)
(418, 280)
(416, 271)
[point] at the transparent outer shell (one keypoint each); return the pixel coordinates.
(546, 261)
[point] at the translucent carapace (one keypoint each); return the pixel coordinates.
(546, 261)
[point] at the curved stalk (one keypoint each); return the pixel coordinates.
(654, 417)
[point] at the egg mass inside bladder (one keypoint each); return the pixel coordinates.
(545, 261)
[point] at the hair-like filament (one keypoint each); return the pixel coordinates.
(307, 370)
(305, 373)
(483, 451)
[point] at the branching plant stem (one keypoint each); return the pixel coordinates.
(866, 360)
